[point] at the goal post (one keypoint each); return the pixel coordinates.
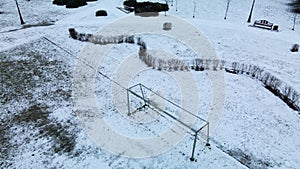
(138, 98)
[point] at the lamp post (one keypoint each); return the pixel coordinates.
(227, 7)
(249, 18)
(294, 21)
(21, 19)
(194, 9)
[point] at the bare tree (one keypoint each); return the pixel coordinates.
(242, 68)
(275, 83)
(199, 64)
(235, 66)
(160, 64)
(259, 73)
(186, 65)
(222, 64)
(164, 65)
(215, 64)
(287, 92)
(175, 64)
(207, 64)
(254, 71)
(170, 64)
(266, 78)
(153, 62)
(149, 60)
(294, 96)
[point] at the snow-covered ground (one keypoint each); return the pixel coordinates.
(39, 124)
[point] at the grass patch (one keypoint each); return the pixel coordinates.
(37, 116)
(35, 82)
(33, 76)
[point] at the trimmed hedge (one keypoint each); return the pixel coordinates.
(295, 48)
(150, 7)
(140, 7)
(60, 2)
(71, 3)
(101, 13)
(130, 3)
(76, 3)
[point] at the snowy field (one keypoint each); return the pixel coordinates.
(42, 123)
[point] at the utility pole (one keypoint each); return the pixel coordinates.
(250, 15)
(21, 19)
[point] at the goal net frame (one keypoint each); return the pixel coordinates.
(147, 103)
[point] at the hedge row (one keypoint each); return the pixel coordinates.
(140, 7)
(285, 92)
(102, 40)
(72, 3)
(280, 89)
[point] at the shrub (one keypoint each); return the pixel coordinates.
(130, 39)
(167, 26)
(130, 3)
(215, 64)
(71, 3)
(198, 64)
(266, 78)
(73, 33)
(234, 68)
(295, 48)
(60, 2)
(222, 64)
(75, 3)
(101, 13)
(160, 64)
(150, 7)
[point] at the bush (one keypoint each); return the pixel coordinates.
(60, 2)
(71, 3)
(75, 3)
(101, 13)
(130, 3)
(295, 6)
(129, 39)
(73, 33)
(150, 7)
(167, 26)
(198, 64)
(295, 48)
